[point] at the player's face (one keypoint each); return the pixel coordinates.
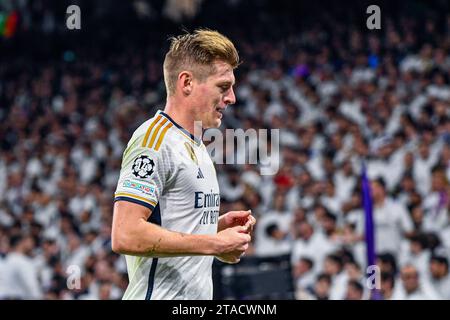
(214, 95)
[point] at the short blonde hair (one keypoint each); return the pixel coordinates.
(196, 52)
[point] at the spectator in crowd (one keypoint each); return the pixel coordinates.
(19, 274)
(387, 285)
(322, 287)
(272, 230)
(416, 253)
(387, 263)
(303, 274)
(411, 288)
(311, 244)
(355, 290)
(275, 243)
(440, 276)
(392, 221)
(436, 202)
(334, 267)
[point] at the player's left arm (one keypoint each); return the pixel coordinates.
(236, 218)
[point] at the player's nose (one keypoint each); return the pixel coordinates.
(230, 98)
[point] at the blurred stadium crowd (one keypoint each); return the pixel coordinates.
(339, 95)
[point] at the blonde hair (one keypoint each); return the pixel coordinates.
(196, 52)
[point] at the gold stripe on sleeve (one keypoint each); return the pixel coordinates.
(155, 132)
(147, 134)
(161, 136)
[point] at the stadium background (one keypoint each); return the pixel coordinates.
(340, 93)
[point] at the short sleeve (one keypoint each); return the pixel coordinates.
(143, 176)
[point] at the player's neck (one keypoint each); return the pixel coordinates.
(182, 117)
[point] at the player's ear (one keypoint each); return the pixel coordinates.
(185, 81)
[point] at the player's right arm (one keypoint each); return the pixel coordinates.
(147, 170)
(132, 234)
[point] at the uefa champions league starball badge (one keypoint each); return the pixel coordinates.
(143, 167)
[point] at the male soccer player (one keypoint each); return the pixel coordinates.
(166, 212)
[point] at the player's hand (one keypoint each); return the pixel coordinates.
(233, 242)
(237, 218)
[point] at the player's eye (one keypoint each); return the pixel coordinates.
(224, 88)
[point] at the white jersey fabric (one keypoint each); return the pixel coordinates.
(169, 171)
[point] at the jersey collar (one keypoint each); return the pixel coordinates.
(183, 130)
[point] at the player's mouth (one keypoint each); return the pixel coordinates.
(220, 112)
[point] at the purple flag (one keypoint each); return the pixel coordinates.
(369, 226)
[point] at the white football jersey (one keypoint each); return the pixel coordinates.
(169, 171)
